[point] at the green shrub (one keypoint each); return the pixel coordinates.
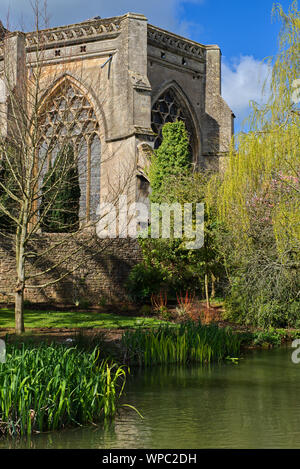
(83, 303)
(264, 289)
(164, 313)
(258, 311)
(102, 301)
(146, 310)
(266, 338)
(142, 282)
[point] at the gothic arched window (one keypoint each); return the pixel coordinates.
(68, 118)
(170, 108)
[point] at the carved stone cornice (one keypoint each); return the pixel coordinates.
(180, 45)
(74, 33)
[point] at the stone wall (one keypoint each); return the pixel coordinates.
(100, 267)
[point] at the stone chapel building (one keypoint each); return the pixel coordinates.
(126, 78)
(130, 78)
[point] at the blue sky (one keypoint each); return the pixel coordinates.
(243, 29)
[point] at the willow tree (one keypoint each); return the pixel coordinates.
(257, 196)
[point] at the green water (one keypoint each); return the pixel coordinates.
(255, 404)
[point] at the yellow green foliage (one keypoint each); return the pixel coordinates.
(264, 164)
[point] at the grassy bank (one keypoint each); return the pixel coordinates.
(46, 387)
(72, 319)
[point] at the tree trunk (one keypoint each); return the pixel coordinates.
(213, 289)
(19, 309)
(206, 291)
(20, 287)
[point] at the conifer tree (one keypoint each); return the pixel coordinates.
(171, 158)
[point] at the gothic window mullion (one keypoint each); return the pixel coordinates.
(168, 108)
(68, 117)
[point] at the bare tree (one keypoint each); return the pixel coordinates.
(44, 154)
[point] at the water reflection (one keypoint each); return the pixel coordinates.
(251, 405)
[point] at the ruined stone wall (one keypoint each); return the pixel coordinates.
(179, 64)
(101, 268)
(193, 71)
(120, 65)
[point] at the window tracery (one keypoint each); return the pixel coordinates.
(69, 118)
(169, 108)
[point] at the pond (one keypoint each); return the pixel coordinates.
(255, 404)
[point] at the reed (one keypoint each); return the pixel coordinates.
(190, 342)
(46, 387)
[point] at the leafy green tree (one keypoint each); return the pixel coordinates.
(201, 269)
(173, 181)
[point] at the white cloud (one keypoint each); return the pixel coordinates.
(242, 82)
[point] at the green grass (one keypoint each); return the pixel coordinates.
(65, 319)
(48, 387)
(217, 301)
